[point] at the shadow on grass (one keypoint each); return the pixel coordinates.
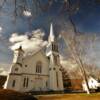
(13, 95)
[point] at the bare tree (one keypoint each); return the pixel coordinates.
(75, 42)
(78, 46)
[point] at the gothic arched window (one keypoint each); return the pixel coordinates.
(39, 67)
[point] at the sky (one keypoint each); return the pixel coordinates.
(16, 30)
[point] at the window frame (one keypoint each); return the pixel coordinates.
(39, 67)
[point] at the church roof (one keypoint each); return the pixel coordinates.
(42, 50)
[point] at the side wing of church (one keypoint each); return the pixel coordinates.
(38, 72)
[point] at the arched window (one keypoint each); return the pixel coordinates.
(39, 67)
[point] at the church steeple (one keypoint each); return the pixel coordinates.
(51, 35)
(52, 53)
(52, 43)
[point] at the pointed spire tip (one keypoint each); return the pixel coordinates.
(51, 35)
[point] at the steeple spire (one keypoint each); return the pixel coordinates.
(51, 35)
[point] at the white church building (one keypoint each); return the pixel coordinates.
(38, 72)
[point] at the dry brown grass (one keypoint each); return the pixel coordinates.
(13, 95)
(70, 97)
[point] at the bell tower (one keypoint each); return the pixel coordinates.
(17, 61)
(14, 77)
(52, 52)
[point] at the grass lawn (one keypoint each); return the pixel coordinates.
(79, 96)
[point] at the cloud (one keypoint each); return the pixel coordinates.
(30, 43)
(94, 52)
(68, 64)
(16, 38)
(3, 71)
